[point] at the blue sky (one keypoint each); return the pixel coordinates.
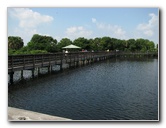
(121, 23)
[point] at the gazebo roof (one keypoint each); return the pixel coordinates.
(70, 46)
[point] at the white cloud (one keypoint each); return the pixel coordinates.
(71, 30)
(28, 18)
(119, 31)
(148, 32)
(28, 22)
(109, 29)
(149, 28)
(77, 31)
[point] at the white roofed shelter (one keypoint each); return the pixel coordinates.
(71, 46)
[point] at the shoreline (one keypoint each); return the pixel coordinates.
(15, 114)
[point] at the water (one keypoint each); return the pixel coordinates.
(111, 90)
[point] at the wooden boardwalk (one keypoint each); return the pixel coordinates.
(24, 62)
(30, 62)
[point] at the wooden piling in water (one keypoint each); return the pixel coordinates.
(33, 73)
(22, 76)
(61, 68)
(38, 69)
(11, 77)
(49, 69)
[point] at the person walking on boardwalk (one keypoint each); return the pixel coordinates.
(66, 52)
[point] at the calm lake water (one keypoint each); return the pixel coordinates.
(110, 90)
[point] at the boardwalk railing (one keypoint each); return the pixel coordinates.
(22, 62)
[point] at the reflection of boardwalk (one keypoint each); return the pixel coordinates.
(30, 62)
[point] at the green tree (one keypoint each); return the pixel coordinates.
(82, 42)
(64, 42)
(15, 42)
(141, 44)
(96, 44)
(106, 43)
(131, 45)
(151, 46)
(123, 45)
(39, 42)
(144, 45)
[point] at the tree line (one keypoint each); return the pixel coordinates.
(47, 44)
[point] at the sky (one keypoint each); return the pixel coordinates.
(121, 23)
